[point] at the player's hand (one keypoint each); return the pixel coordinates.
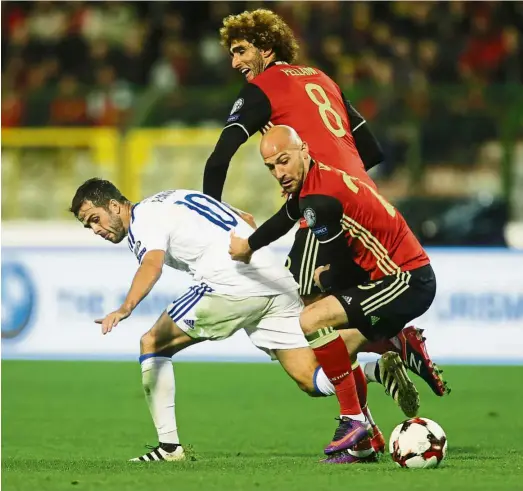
(239, 249)
(243, 215)
(248, 218)
(317, 273)
(111, 320)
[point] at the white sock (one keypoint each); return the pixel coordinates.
(322, 384)
(369, 369)
(357, 417)
(366, 411)
(158, 384)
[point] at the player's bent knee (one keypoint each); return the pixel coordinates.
(310, 319)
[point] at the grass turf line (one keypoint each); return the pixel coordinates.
(73, 425)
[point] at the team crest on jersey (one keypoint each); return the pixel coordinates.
(310, 217)
(237, 106)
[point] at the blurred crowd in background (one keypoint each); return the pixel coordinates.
(87, 63)
(439, 83)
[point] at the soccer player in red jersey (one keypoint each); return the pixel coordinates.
(349, 218)
(264, 50)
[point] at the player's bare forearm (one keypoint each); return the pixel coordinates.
(144, 280)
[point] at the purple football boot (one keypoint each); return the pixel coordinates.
(349, 433)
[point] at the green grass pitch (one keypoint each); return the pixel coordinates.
(72, 425)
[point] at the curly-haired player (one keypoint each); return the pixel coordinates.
(263, 48)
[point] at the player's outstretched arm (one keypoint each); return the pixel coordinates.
(218, 163)
(367, 145)
(277, 226)
(145, 278)
(250, 113)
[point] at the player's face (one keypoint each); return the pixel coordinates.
(247, 59)
(104, 222)
(288, 168)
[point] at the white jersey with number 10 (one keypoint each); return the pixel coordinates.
(194, 231)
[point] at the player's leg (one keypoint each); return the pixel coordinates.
(157, 346)
(317, 322)
(279, 333)
(305, 256)
(380, 309)
(410, 345)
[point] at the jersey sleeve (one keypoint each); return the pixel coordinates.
(250, 112)
(323, 215)
(276, 226)
(149, 232)
(366, 143)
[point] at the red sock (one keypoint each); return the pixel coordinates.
(335, 361)
(361, 385)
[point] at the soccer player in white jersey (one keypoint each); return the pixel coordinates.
(190, 231)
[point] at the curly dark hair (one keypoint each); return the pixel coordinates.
(99, 192)
(264, 29)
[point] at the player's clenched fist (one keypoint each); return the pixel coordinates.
(239, 249)
(317, 274)
(111, 320)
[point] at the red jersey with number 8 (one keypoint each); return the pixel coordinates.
(312, 103)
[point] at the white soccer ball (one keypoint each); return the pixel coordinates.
(418, 443)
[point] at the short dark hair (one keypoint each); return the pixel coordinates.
(99, 192)
(264, 29)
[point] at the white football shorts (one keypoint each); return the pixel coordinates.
(271, 322)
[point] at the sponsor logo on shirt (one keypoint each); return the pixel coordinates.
(233, 118)
(320, 231)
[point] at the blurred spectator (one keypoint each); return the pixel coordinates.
(12, 108)
(171, 69)
(47, 22)
(512, 68)
(130, 64)
(69, 107)
(36, 99)
(484, 50)
(110, 102)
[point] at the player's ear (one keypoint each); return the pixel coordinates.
(114, 206)
(305, 147)
(267, 53)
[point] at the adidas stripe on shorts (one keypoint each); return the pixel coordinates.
(380, 309)
(271, 322)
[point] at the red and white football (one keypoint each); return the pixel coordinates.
(418, 443)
